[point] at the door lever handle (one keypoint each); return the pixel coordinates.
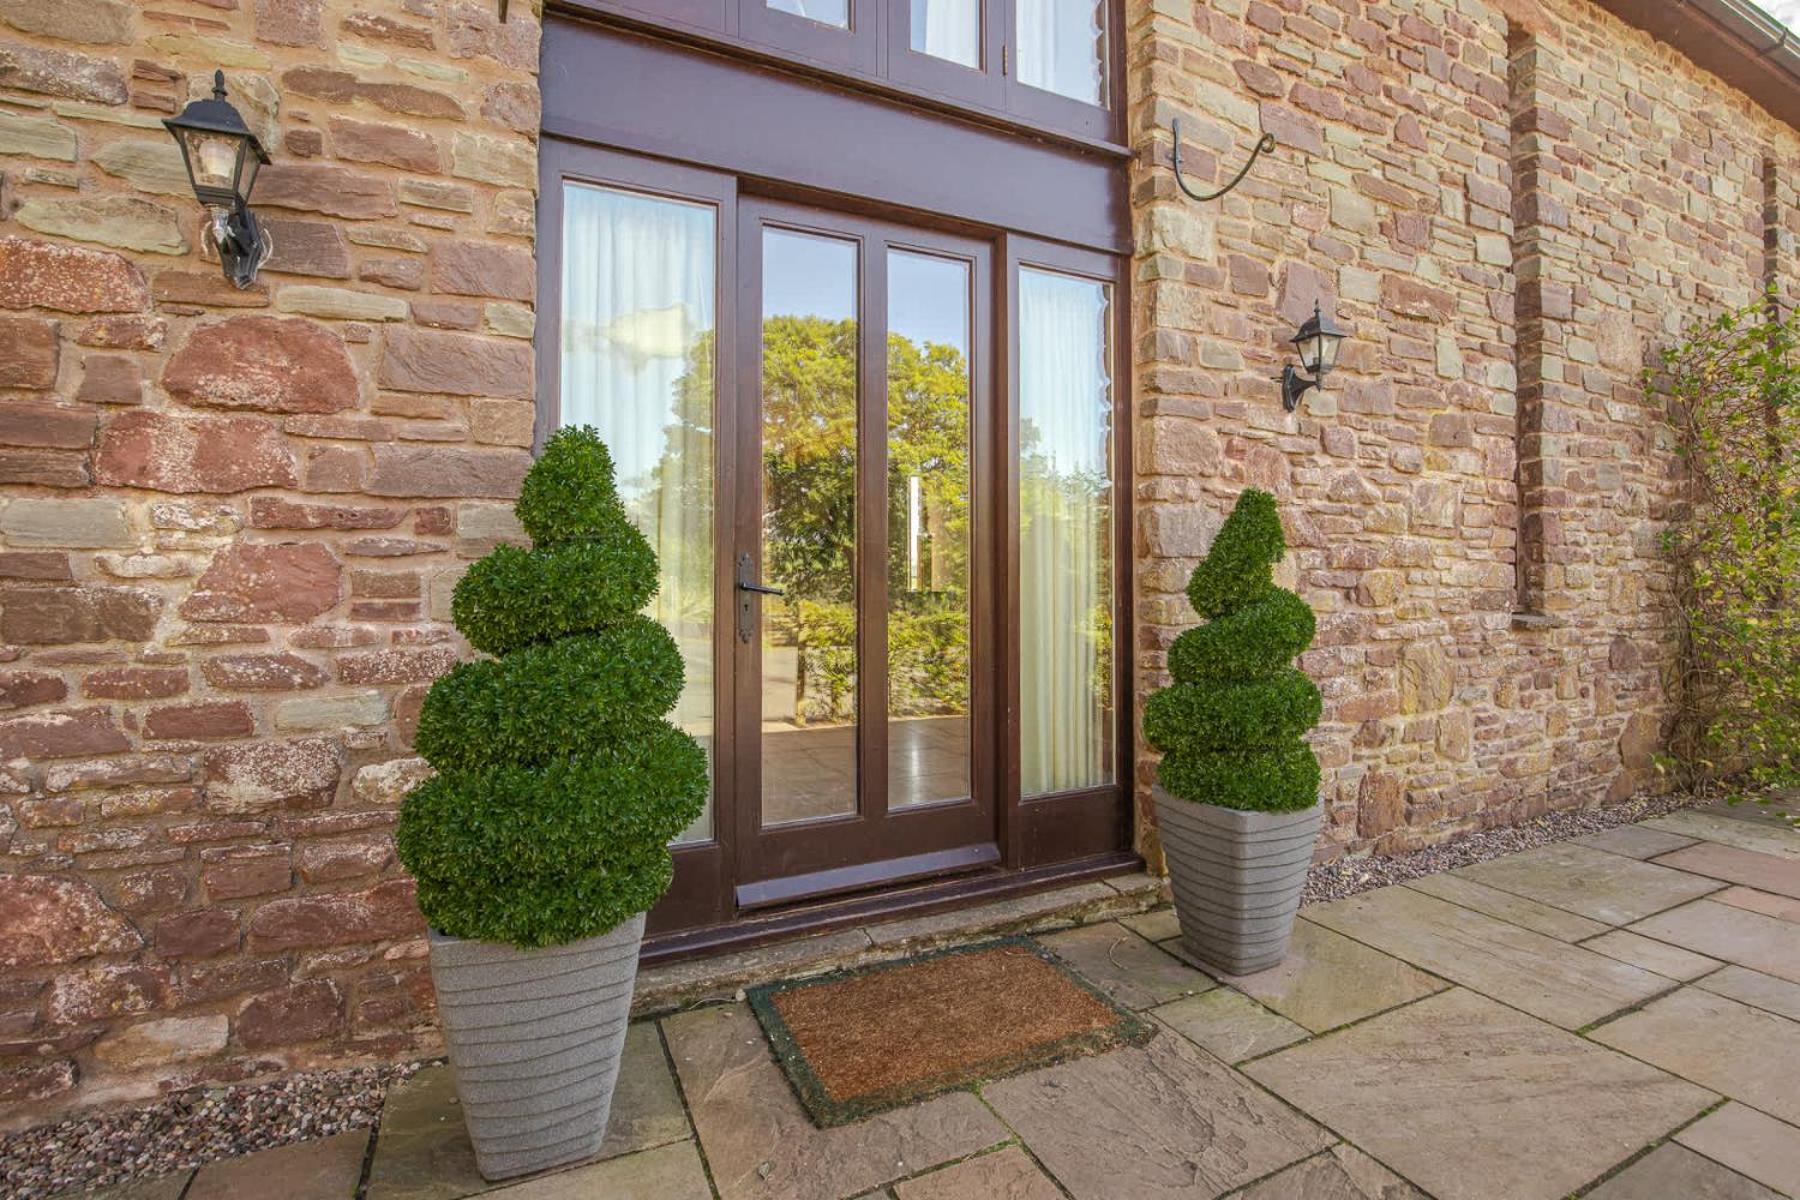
(746, 586)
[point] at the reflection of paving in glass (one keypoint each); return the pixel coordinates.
(810, 772)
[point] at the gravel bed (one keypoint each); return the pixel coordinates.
(191, 1128)
(1348, 876)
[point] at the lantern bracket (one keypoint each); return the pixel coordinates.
(1264, 145)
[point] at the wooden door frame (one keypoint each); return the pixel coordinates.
(873, 845)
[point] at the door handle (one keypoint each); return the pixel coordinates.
(748, 588)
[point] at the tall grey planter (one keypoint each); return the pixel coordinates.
(535, 1038)
(1237, 878)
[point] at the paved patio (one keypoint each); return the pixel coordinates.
(1616, 1017)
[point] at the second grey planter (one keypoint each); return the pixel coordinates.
(535, 1038)
(1237, 878)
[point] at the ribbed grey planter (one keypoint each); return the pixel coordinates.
(1237, 878)
(535, 1038)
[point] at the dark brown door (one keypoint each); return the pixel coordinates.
(862, 614)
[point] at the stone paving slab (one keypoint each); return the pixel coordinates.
(1007, 1174)
(1595, 884)
(1564, 984)
(1671, 1171)
(759, 1142)
(422, 1151)
(1635, 841)
(1526, 913)
(1736, 1050)
(1750, 868)
(1766, 992)
(1750, 1143)
(1160, 1122)
(1714, 827)
(1762, 902)
(1229, 1025)
(326, 1168)
(163, 1187)
(1125, 966)
(671, 1172)
(646, 1110)
(1731, 934)
(1341, 1173)
(1672, 962)
(1472, 1100)
(1329, 980)
(1158, 925)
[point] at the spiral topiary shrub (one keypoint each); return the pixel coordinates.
(1230, 726)
(559, 781)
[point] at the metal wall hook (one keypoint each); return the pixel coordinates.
(1264, 145)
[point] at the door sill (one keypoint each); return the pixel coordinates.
(846, 911)
(863, 877)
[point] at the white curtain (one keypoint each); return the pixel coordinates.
(638, 322)
(825, 12)
(948, 29)
(1065, 544)
(1061, 47)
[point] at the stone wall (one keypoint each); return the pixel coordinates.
(1511, 205)
(230, 519)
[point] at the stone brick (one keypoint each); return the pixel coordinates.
(1427, 679)
(261, 673)
(151, 890)
(81, 523)
(385, 912)
(206, 289)
(67, 278)
(234, 872)
(1380, 804)
(111, 379)
(290, 22)
(148, 165)
(164, 1041)
(340, 304)
(337, 859)
(47, 921)
(380, 28)
(273, 512)
(202, 933)
(416, 360)
(482, 269)
(424, 471)
(123, 222)
(201, 719)
(391, 145)
(61, 73)
(23, 689)
(47, 426)
(36, 1081)
(70, 733)
(318, 713)
(34, 564)
(170, 454)
(324, 188)
(515, 105)
(289, 583)
(295, 773)
(395, 666)
(38, 137)
(267, 363)
(27, 353)
(43, 616)
(302, 1012)
(384, 785)
(301, 247)
(107, 992)
(325, 83)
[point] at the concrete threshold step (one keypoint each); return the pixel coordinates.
(690, 982)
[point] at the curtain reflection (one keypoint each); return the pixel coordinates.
(1065, 542)
(948, 29)
(638, 291)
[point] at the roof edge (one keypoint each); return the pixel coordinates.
(1732, 39)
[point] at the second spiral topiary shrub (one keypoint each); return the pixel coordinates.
(1231, 725)
(559, 781)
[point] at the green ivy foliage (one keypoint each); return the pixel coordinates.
(560, 784)
(1231, 725)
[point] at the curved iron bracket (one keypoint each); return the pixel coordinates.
(1264, 145)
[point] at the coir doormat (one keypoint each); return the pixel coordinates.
(858, 1042)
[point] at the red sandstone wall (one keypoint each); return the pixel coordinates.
(230, 520)
(1640, 202)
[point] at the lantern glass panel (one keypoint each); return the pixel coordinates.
(1327, 353)
(248, 163)
(212, 157)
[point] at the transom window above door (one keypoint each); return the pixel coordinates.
(1045, 63)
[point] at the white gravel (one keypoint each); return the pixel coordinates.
(189, 1129)
(192, 1128)
(1348, 876)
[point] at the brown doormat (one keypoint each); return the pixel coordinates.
(857, 1042)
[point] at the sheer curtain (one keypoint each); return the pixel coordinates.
(638, 292)
(1065, 543)
(1061, 47)
(948, 29)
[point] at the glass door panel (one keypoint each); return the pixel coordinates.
(1066, 672)
(810, 364)
(928, 634)
(947, 29)
(835, 13)
(637, 362)
(1062, 47)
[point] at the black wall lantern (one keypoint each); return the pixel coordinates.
(222, 157)
(1317, 342)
